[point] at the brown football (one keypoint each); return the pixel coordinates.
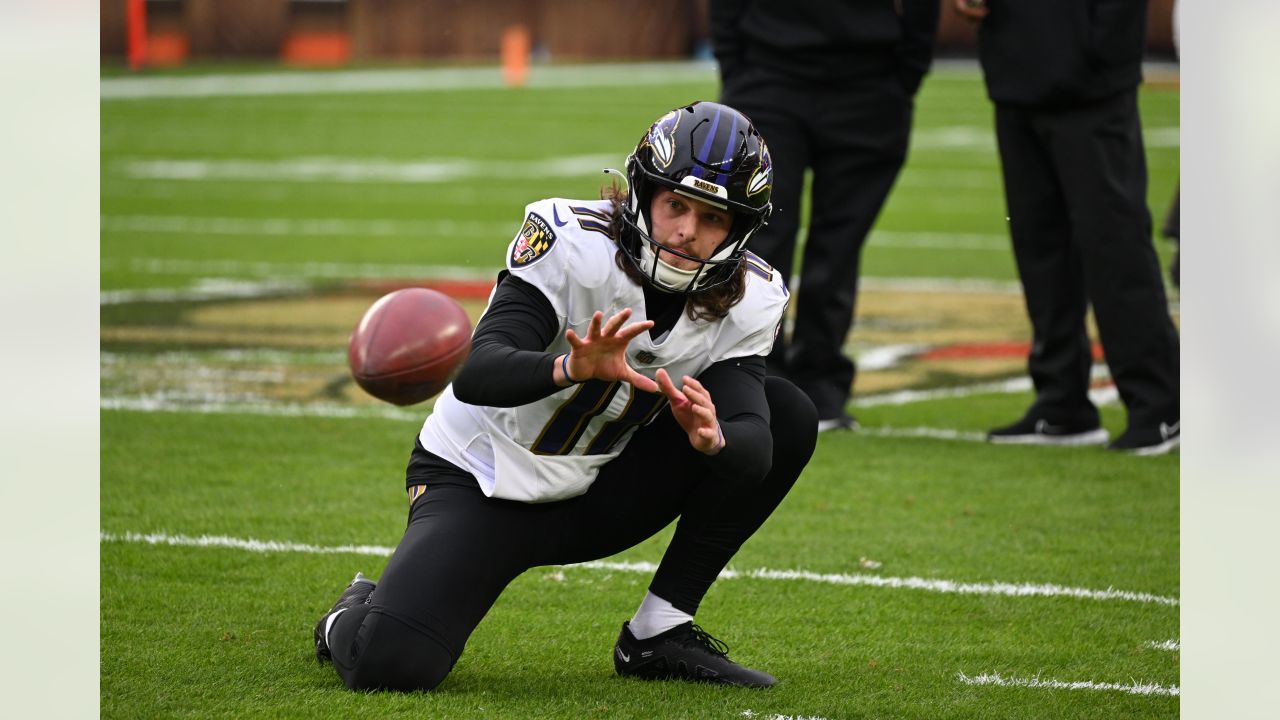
(409, 345)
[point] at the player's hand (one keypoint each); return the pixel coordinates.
(693, 409)
(972, 10)
(602, 354)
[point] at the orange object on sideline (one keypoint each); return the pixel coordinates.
(312, 47)
(135, 19)
(516, 45)
(167, 48)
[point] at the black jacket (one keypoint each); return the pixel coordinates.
(826, 41)
(1046, 53)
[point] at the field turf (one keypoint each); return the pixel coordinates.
(243, 234)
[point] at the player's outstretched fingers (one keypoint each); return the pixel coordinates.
(630, 332)
(575, 342)
(615, 322)
(593, 327)
(668, 388)
(640, 381)
(694, 390)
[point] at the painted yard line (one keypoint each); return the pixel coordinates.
(204, 289)
(991, 242)
(1101, 395)
(911, 583)
(307, 169)
(347, 227)
(357, 170)
(256, 356)
(438, 79)
(302, 227)
(923, 432)
(1134, 688)
(887, 356)
(276, 278)
(941, 285)
(414, 80)
(310, 270)
(1171, 645)
(982, 138)
(217, 406)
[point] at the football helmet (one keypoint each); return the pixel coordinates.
(709, 152)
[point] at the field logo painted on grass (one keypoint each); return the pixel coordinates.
(1133, 688)
(898, 583)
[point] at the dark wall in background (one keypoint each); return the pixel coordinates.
(471, 29)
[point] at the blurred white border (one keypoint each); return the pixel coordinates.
(48, 377)
(1231, 349)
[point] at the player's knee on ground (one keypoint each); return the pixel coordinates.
(396, 656)
(793, 422)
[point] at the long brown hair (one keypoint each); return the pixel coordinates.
(710, 304)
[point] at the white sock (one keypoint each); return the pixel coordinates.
(656, 616)
(328, 624)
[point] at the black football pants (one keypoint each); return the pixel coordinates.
(1076, 186)
(854, 137)
(461, 549)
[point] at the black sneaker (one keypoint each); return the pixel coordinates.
(1148, 440)
(357, 593)
(843, 421)
(685, 652)
(1039, 431)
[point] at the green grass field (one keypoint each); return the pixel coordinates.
(242, 235)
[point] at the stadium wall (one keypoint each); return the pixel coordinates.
(399, 30)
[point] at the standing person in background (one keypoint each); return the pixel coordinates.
(832, 85)
(1172, 228)
(1064, 79)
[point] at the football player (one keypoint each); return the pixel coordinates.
(616, 383)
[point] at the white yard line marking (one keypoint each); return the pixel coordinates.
(923, 432)
(910, 583)
(363, 170)
(988, 242)
(1171, 645)
(411, 80)
(1133, 688)
(982, 138)
(214, 406)
(329, 227)
(940, 285)
(307, 270)
(204, 289)
(302, 227)
(1105, 395)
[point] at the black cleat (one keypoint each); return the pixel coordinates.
(1156, 440)
(843, 421)
(685, 652)
(1039, 431)
(357, 593)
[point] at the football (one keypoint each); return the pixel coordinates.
(409, 345)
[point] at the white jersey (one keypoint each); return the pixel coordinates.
(552, 449)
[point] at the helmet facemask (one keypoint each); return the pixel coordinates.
(720, 160)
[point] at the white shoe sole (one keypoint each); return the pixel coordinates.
(1161, 449)
(1093, 437)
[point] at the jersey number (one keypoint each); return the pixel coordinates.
(565, 428)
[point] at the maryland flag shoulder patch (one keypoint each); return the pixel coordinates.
(533, 242)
